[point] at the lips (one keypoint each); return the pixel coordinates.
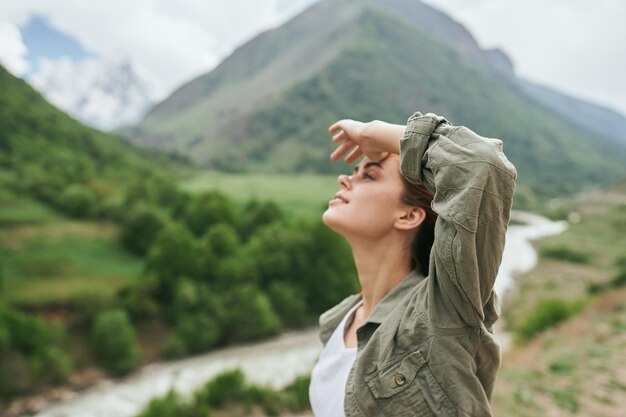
(340, 199)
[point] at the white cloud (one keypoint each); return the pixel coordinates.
(573, 45)
(175, 41)
(12, 49)
(103, 94)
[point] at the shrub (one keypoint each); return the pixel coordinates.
(30, 353)
(225, 387)
(298, 394)
(547, 313)
(52, 366)
(141, 228)
(251, 315)
(619, 280)
(168, 406)
(565, 254)
(174, 254)
(289, 303)
(174, 347)
(198, 332)
(221, 239)
(114, 342)
(269, 400)
(78, 200)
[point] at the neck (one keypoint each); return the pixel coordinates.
(381, 264)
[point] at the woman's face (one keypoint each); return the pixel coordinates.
(369, 201)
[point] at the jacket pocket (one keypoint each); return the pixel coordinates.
(405, 386)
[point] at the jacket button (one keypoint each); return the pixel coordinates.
(399, 379)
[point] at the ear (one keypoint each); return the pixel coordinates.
(410, 218)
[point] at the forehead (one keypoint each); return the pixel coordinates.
(389, 161)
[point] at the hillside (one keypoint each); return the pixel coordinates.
(267, 106)
(574, 364)
(46, 154)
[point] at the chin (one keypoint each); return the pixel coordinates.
(330, 219)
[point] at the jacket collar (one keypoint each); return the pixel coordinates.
(390, 301)
(331, 318)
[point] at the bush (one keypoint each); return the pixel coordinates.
(30, 353)
(288, 302)
(565, 254)
(169, 406)
(269, 400)
(52, 366)
(174, 254)
(619, 280)
(114, 342)
(251, 315)
(198, 332)
(141, 228)
(298, 394)
(174, 347)
(78, 200)
(225, 387)
(547, 313)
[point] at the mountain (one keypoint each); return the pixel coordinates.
(46, 154)
(105, 95)
(589, 116)
(268, 105)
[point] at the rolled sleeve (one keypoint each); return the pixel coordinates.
(473, 184)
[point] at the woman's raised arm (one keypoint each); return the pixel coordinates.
(473, 184)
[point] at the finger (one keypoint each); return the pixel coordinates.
(354, 155)
(340, 124)
(335, 126)
(341, 150)
(339, 137)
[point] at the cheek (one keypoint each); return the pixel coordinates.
(367, 217)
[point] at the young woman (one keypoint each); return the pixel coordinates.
(425, 213)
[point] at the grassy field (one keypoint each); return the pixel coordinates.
(299, 194)
(576, 367)
(46, 258)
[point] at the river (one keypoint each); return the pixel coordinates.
(274, 362)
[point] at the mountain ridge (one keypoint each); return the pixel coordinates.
(387, 69)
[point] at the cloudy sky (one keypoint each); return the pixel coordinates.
(573, 45)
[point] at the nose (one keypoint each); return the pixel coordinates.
(345, 181)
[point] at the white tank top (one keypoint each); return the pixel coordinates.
(330, 373)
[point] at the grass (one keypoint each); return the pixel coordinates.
(577, 367)
(56, 262)
(20, 210)
(584, 259)
(299, 194)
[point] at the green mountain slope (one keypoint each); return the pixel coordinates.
(48, 155)
(267, 106)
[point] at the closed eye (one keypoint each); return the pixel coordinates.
(368, 176)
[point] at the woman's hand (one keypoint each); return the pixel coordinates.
(375, 140)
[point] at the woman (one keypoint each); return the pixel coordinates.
(425, 213)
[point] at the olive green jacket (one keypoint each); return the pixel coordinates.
(427, 349)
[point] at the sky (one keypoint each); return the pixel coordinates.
(571, 45)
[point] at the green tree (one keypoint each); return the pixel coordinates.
(248, 314)
(221, 239)
(257, 214)
(78, 200)
(114, 342)
(174, 254)
(208, 209)
(289, 302)
(141, 228)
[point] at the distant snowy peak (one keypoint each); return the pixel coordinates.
(102, 94)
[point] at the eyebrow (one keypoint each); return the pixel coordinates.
(367, 165)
